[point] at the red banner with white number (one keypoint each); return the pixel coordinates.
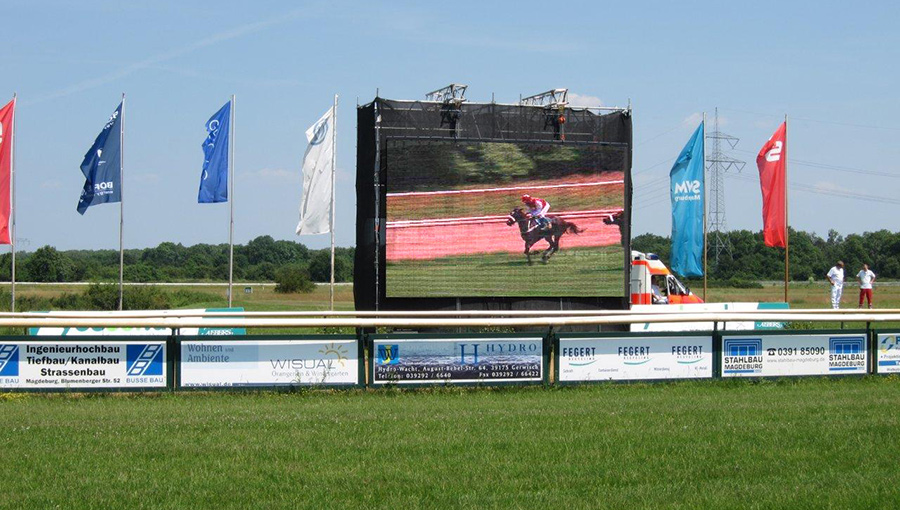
(6, 139)
(771, 163)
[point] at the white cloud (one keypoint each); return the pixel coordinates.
(275, 174)
(154, 60)
(583, 100)
(828, 186)
(693, 119)
(697, 117)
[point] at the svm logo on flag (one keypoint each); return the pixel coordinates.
(102, 166)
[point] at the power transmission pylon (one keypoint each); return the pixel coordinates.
(717, 164)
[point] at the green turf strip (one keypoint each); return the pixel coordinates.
(594, 271)
(810, 443)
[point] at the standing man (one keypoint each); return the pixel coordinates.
(866, 279)
(836, 277)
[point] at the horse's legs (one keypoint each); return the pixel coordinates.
(554, 247)
(528, 252)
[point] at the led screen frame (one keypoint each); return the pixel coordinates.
(443, 241)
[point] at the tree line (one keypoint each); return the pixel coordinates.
(810, 255)
(260, 260)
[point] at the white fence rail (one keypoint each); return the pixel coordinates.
(422, 319)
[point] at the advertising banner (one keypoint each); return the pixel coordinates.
(630, 358)
(83, 365)
(457, 360)
(229, 363)
(888, 353)
(789, 355)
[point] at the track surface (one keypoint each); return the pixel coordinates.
(424, 242)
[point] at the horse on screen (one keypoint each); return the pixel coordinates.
(532, 233)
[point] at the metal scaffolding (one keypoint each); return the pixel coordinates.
(718, 163)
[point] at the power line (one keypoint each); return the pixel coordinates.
(819, 121)
(838, 168)
(798, 186)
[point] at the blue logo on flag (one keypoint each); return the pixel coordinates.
(102, 166)
(319, 132)
(389, 354)
(214, 179)
(9, 360)
(144, 359)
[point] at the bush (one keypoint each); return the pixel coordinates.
(292, 279)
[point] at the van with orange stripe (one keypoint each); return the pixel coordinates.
(653, 283)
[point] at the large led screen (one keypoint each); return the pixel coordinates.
(456, 222)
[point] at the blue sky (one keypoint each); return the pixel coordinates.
(831, 66)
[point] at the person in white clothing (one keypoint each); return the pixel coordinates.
(836, 278)
(866, 279)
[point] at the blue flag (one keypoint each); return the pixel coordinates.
(687, 190)
(102, 166)
(214, 179)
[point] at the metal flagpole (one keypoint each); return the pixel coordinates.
(12, 186)
(705, 266)
(786, 232)
(231, 203)
(121, 203)
(333, 158)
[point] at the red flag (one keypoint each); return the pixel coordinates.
(6, 139)
(772, 181)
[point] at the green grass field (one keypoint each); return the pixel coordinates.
(599, 274)
(811, 443)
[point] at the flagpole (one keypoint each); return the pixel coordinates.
(122, 203)
(705, 269)
(786, 230)
(333, 159)
(12, 185)
(231, 203)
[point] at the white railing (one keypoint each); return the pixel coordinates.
(423, 319)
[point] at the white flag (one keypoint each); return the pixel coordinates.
(315, 204)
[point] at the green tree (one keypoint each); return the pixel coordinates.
(293, 278)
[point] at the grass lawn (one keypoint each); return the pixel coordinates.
(570, 272)
(809, 443)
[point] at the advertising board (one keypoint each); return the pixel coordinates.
(583, 358)
(333, 361)
(888, 355)
(83, 365)
(792, 355)
(459, 218)
(459, 360)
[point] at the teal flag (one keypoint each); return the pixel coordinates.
(687, 184)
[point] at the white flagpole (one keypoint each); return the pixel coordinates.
(231, 203)
(12, 230)
(786, 231)
(121, 203)
(705, 201)
(333, 158)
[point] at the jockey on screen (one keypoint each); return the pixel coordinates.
(537, 209)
